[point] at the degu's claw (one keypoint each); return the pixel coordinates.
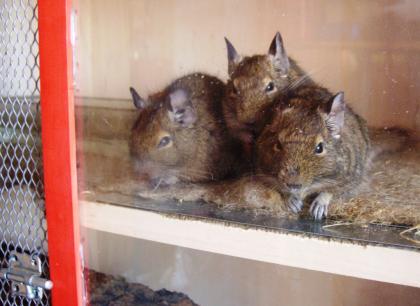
(295, 205)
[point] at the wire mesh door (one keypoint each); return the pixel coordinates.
(23, 225)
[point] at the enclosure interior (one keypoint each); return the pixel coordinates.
(214, 279)
(368, 49)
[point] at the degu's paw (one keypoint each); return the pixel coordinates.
(319, 206)
(295, 204)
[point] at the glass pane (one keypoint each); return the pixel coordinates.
(212, 279)
(286, 116)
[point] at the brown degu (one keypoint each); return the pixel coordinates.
(314, 152)
(180, 133)
(257, 82)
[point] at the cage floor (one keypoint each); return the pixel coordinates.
(108, 290)
(381, 214)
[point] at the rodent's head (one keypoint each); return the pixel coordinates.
(158, 141)
(299, 147)
(257, 80)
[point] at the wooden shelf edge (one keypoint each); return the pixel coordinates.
(386, 264)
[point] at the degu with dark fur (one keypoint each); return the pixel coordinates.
(315, 151)
(180, 133)
(259, 81)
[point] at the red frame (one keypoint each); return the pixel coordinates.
(59, 151)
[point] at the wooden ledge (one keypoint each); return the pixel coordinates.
(373, 262)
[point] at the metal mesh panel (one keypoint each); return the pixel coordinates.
(22, 212)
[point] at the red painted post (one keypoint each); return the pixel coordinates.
(59, 151)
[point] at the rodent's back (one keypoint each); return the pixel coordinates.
(206, 94)
(354, 150)
(216, 149)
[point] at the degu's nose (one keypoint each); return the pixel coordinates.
(294, 186)
(291, 177)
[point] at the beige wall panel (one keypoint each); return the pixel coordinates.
(369, 49)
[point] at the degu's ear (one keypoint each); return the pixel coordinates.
(279, 56)
(335, 109)
(233, 57)
(137, 100)
(180, 109)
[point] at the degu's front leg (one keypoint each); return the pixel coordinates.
(319, 206)
(294, 203)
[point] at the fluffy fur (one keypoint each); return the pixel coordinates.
(180, 133)
(314, 150)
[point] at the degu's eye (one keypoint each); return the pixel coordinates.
(164, 142)
(319, 148)
(270, 87)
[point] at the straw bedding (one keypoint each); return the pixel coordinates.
(391, 194)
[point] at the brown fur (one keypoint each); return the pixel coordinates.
(247, 105)
(245, 108)
(286, 154)
(201, 152)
